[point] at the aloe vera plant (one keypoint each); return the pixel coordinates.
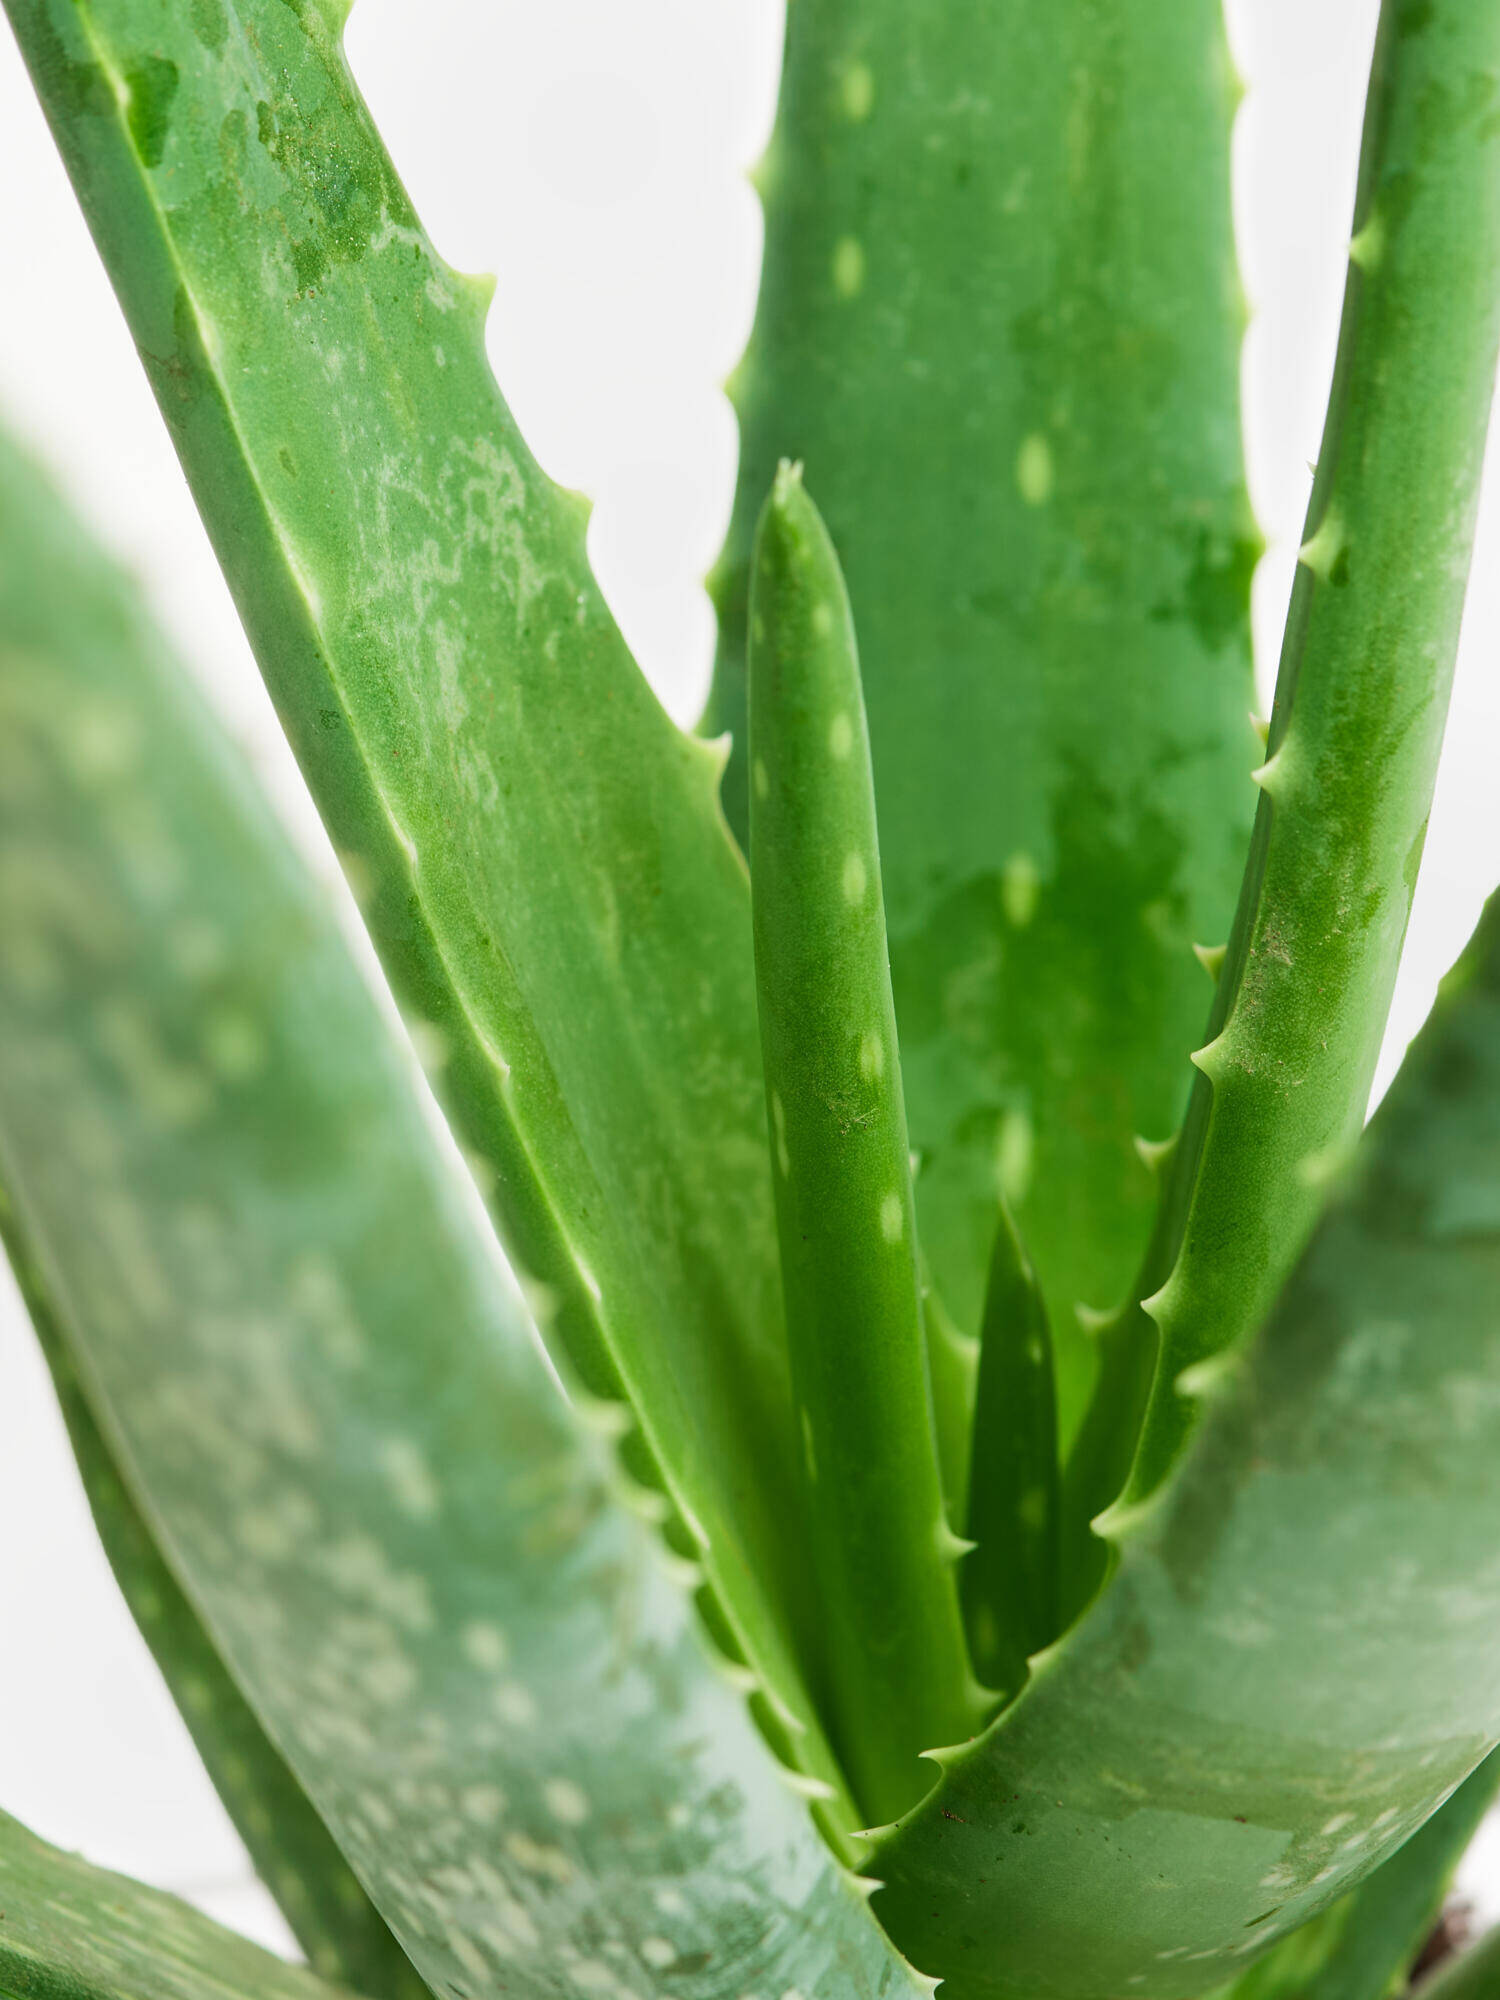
(862, 1614)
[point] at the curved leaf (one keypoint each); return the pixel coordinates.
(1362, 1948)
(67, 612)
(72, 1932)
(1294, 1661)
(293, 1333)
(1000, 323)
(543, 863)
(329, 1913)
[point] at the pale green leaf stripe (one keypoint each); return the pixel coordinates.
(1294, 1661)
(72, 1932)
(1000, 323)
(1361, 699)
(543, 862)
(896, 1665)
(330, 1915)
(329, 1411)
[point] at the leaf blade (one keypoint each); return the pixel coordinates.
(1291, 1666)
(898, 1675)
(73, 1932)
(1362, 694)
(999, 322)
(295, 1335)
(546, 873)
(1377, 1930)
(1010, 1576)
(332, 1919)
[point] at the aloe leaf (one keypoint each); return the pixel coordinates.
(330, 1915)
(1010, 1575)
(1000, 323)
(1362, 1948)
(1293, 1663)
(896, 1663)
(64, 611)
(72, 1932)
(294, 1336)
(541, 854)
(1361, 699)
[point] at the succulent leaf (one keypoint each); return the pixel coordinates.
(545, 869)
(1363, 1947)
(1362, 694)
(897, 1668)
(1293, 1662)
(344, 1936)
(72, 1932)
(1010, 1576)
(999, 321)
(294, 1335)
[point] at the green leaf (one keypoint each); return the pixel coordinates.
(1361, 699)
(1363, 1946)
(290, 1326)
(1294, 1661)
(72, 1932)
(543, 863)
(898, 1670)
(1000, 323)
(1010, 1576)
(68, 619)
(330, 1915)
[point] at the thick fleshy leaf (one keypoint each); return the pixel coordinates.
(72, 1932)
(70, 621)
(1362, 1948)
(291, 1329)
(1010, 1575)
(543, 863)
(897, 1666)
(1294, 1662)
(1361, 699)
(332, 1918)
(1000, 324)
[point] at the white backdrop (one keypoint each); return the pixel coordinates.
(593, 154)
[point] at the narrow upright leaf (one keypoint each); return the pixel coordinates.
(543, 862)
(1000, 322)
(1010, 1576)
(1361, 700)
(897, 1670)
